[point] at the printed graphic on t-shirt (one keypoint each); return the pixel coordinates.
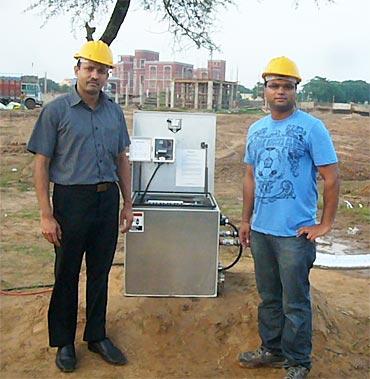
(274, 153)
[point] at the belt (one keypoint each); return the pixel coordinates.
(99, 187)
(102, 187)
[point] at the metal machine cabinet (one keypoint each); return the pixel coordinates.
(172, 246)
(175, 255)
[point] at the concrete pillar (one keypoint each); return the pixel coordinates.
(134, 88)
(116, 94)
(172, 105)
(158, 97)
(231, 97)
(141, 94)
(129, 81)
(196, 95)
(182, 95)
(126, 96)
(166, 99)
(210, 95)
(219, 102)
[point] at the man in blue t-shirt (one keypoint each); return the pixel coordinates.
(284, 153)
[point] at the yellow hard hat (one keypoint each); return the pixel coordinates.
(97, 51)
(282, 66)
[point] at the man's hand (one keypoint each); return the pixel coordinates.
(244, 234)
(314, 231)
(126, 218)
(51, 230)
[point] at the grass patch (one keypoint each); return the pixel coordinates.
(19, 179)
(360, 215)
(20, 185)
(29, 214)
(26, 264)
(42, 251)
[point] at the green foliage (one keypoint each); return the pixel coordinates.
(242, 89)
(52, 86)
(258, 90)
(323, 90)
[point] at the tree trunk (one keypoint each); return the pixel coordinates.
(115, 22)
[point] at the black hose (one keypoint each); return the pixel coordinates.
(240, 250)
(235, 261)
(28, 287)
(234, 227)
(150, 180)
(44, 285)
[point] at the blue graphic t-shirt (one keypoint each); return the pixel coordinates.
(285, 155)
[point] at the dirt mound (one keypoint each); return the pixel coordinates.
(177, 337)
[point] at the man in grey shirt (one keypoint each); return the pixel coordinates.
(80, 142)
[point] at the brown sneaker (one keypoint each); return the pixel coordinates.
(297, 372)
(260, 358)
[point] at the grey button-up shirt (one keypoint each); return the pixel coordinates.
(82, 144)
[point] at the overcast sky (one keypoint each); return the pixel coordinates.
(331, 41)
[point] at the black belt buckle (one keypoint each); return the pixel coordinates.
(102, 187)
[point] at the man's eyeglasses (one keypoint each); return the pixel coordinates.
(284, 86)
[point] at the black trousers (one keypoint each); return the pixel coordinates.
(89, 223)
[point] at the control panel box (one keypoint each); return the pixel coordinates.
(185, 145)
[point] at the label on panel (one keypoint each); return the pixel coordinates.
(140, 149)
(138, 222)
(190, 165)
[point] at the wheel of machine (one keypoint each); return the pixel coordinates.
(30, 104)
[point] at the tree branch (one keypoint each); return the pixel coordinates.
(195, 37)
(115, 22)
(89, 32)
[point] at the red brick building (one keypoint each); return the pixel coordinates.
(124, 72)
(201, 73)
(216, 69)
(159, 75)
(144, 71)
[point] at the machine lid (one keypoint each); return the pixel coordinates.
(174, 199)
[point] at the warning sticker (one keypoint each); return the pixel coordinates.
(138, 222)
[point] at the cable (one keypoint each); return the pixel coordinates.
(234, 227)
(6, 293)
(29, 287)
(240, 249)
(150, 180)
(235, 261)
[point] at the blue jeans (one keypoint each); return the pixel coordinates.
(282, 266)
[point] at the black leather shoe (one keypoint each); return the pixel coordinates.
(66, 358)
(108, 351)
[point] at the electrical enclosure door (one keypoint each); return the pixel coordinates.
(174, 253)
(195, 137)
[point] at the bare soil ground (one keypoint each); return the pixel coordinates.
(189, 337)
